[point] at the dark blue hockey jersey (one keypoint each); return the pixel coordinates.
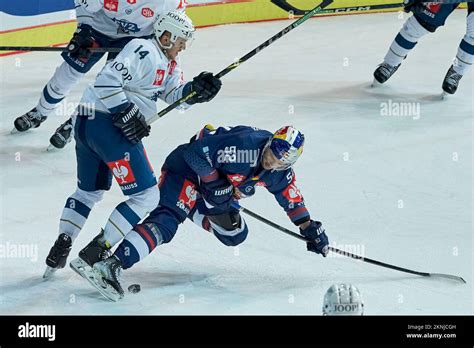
(236, 153)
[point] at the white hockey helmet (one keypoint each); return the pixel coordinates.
(343, 299)
(178, 24)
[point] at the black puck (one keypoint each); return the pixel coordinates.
(134, 288)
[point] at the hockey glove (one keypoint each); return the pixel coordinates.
(206, 87)
(132, 124)
(80, 43)
(218, 193)
(409, 4)
(315, 231)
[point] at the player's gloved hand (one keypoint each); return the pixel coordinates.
(409, 4)
(206, 87)
(316, 232)
(132, 124)
(218, 193)
(80, 43)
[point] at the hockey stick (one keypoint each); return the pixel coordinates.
(56, 49)
(342, 252)
(249, 55)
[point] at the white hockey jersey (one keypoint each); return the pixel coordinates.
(140, 74)
(124, 18)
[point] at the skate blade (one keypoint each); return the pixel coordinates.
(445, 95)
(95, 279)
(51, 148)
(375, 83)
(48, 273)
(14, 131)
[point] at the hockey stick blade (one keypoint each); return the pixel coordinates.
(345, 253)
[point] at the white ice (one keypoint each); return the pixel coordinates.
(398, 188)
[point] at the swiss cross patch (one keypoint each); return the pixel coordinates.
(132, 2)
(122, 171)
(236, 179)
(160, 76)
(188, 195)
(171, 67)
(147, 12)
(111, 5)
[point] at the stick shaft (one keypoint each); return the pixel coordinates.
(247, 56)
(55, 49)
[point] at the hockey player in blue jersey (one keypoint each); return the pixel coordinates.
(111, 121)
(101, 23)
(427, 17)
(202, 181)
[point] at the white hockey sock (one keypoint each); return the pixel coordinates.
(405, 41)
(76, 211)
(129, 213)
(465, 56)
(57, 88)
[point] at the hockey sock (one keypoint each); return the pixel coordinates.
(57, 88)
(405, 41)
(76, 211)
(129, 213)
(465, 56)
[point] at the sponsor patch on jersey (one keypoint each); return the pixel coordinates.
(132, 2)
(111, 5)
(187, 196)
(292, 193)
(147, 12)
(160, 76)
(235, 179)
(122, 171)
(171, 67)
(434, 8)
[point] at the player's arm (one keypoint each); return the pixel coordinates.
(132, 64)
(202, 156)
(289, 197)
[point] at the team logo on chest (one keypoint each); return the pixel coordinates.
(111, 5)
(147, 12)
(160, 76)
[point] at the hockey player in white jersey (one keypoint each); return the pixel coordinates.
(101, 23)
(110, 123)
(427, 18)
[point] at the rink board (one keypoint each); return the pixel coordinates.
(56, 29)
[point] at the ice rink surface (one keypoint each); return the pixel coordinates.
(396, 188)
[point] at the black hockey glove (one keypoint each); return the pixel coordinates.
(316, 232)
(218, 193)
(409, 4)
(80, 43)
(132, 124)
(206, 87)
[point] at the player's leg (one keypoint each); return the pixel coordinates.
(464, 58)
(65, 77)
(177, 199)
(135, 176)
(94, 177)
(403, 43)
(228, 226)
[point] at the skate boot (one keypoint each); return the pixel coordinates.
(62, 136)
(451, 81)
(58, 254)
(110, 271)
(97, 250)
(384, 71)
(32, 119)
